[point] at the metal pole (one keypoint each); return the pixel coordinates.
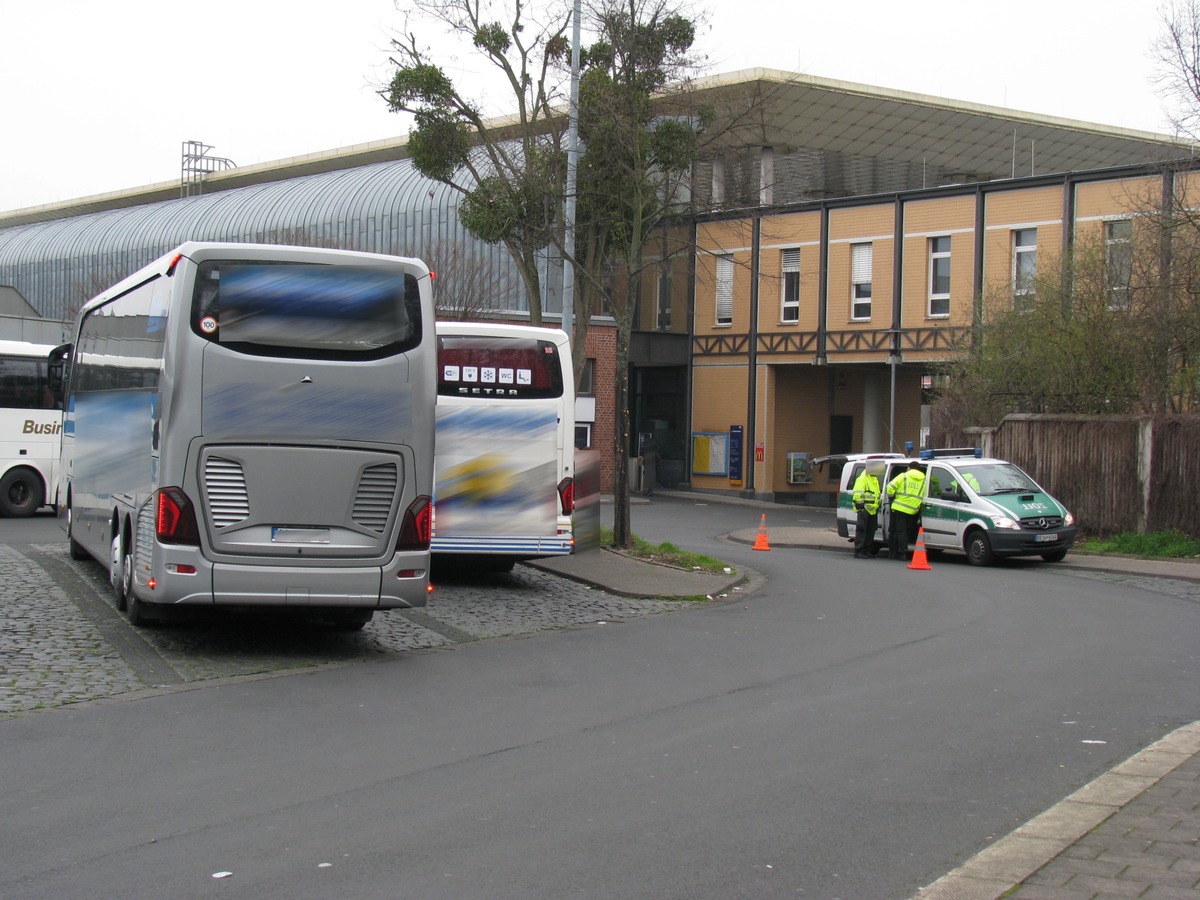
(568, 310)
(892, 408)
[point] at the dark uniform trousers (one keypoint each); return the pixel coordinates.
(902, 530)
(864, 534)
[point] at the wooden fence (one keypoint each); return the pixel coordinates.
(1115, 473)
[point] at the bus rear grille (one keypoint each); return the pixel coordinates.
(375, 497)
(225, 489)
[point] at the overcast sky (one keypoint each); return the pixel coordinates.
(99, 95)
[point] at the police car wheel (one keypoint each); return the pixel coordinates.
(979, 549)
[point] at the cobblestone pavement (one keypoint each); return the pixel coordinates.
(63, 640)
(1188, 590)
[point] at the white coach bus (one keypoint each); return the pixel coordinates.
(30, 423)
(505, 481)
(252, 425)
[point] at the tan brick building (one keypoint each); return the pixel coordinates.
(816, 328)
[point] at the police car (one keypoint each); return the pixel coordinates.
(987, 508)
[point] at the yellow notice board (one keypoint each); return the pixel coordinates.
(710, 453)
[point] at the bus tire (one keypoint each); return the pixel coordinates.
(21, 493)
(136, 611)
(979, 549)
(117, 563)
(76, 549)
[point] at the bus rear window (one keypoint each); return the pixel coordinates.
(285, 309)
(521, 368)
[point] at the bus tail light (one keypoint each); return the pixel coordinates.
(566, 493)
(176, 519)
(417, 528)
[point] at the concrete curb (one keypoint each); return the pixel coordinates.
(1000, 868)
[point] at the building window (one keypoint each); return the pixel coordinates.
(1118, 261)
(583, 435)
(1024, 273)
(664, 298)
(939, 276)
(586, 383)
(725, 289)
(790, 302)
(860, 281)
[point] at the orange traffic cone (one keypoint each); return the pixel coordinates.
(918, 558)
(760, 542)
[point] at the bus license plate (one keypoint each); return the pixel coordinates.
(300, 535)
(1045, 538)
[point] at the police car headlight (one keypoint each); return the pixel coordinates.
(1006, 522)
(1068, 519)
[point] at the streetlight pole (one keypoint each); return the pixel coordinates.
(893, 358)
(568, 310)
(893, 361)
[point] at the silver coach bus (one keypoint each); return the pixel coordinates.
(253, 425)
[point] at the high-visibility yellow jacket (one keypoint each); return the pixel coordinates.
(907, 490)
(866, 492)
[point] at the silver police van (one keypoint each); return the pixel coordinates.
(987, 508)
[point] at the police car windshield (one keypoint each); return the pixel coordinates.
(1002, 479)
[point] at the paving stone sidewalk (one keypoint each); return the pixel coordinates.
(1148, 848)
(1133, 832)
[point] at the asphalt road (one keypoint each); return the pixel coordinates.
(843, 731)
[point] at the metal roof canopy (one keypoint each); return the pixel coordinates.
(797, 111)
(981, 142)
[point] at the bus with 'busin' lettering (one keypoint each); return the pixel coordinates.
(30, 424)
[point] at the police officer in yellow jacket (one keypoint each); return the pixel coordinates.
(867, 496)
(907, 491)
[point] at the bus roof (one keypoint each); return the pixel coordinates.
(25, 348)
(502, 329)
(228, 250)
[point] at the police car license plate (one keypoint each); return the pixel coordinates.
(1045, 538)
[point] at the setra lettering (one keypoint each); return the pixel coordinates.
(32, 427)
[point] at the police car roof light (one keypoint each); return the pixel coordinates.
(956, 451)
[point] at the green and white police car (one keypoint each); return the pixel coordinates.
(987, 508)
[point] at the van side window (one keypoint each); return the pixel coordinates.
(942, 479)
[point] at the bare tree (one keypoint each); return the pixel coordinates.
(510, 173)
(1176, 52)
(466, 287)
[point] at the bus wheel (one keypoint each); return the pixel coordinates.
(979, 549)
(117, 567)
(76, 548)
(135, 610)
(21, 493)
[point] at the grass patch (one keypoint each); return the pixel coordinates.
(1159, 545)
(667, 554)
